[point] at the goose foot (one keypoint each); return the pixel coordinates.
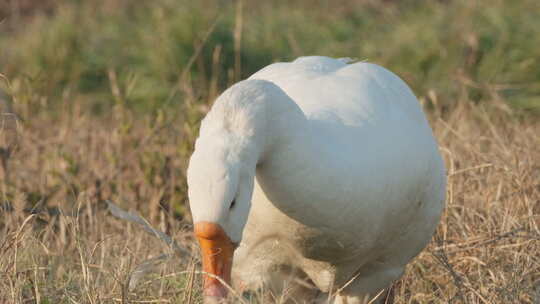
(374, 279)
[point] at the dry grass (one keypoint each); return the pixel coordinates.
(60, 162)
(60, 244)
(487, 248)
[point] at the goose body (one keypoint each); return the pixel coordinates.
(334, 173)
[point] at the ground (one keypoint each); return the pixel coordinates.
(107, 111)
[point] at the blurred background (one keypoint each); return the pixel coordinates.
(101, 100)
(151, 69)
(447, 50)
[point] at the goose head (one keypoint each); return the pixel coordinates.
(221, 175)
(220, 199)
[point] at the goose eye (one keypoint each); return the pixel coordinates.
(232, 204)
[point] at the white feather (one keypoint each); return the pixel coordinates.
(348, 174)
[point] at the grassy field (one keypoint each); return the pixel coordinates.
(107, 96)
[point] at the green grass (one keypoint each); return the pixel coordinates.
(484, 51)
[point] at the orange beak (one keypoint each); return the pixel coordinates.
(217, 255)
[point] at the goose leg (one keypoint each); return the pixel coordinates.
(283, 284)
(291, 286)
(364, 288)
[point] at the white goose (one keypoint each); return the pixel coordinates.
(320, 170)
